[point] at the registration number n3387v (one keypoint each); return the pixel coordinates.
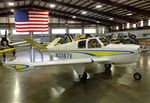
(64, 55)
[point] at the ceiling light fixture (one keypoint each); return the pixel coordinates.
(129, 14)
(111, 18)
(12, 10)
(98, 6)
(52, 5)
(84, 12)
(10, 4)
(73, 16)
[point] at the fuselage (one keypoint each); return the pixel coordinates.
(116, 53)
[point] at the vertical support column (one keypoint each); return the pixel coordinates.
(9, 36)
(67, 28)
(97, 31)
(82, 32)
(50, 29)
(32, 55)
(145, 22)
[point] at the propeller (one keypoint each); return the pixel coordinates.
(4, 41)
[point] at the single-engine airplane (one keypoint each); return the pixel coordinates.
(5, 42)
(85, 51)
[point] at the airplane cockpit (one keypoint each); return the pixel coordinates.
(92, 43)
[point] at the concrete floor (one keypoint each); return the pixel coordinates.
(58, 84)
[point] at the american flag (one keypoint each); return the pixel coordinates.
(31, 20)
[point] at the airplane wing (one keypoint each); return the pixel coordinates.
(21, 66)
(22, 42)
(7, 50)
(143, 39)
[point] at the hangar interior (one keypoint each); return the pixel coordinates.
(60, 84)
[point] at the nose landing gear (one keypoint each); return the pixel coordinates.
(137, 76)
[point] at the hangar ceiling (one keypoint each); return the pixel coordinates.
(103, 12)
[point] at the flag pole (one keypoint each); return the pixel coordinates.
(32, 56)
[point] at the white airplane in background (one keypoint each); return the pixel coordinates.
(85, 51)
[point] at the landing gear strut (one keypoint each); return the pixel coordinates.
(83, 77)
(107, 68)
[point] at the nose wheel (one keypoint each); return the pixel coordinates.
(137, 76)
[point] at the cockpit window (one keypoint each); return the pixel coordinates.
(82, 44)
(93, 43)
(104, 41)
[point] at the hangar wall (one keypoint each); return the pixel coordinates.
(56, 25)
(138, 33)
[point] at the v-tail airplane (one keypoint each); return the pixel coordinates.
(85, 51)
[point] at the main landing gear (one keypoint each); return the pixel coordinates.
(107, 68)
(83, 77)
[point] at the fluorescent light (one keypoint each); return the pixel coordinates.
(98, 6)
(97, 21)
(84, 12)
(111, 18)
(73, 16)
(117, 27)
(128, 25)
(134, 25)
(10, 4)
(12, 10)
(129, 14)
(52, 5)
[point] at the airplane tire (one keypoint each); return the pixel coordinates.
(137, 76)
(132, 37)
(84, 77)
(14, 53)
(107, 66)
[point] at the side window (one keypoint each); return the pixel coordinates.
(82, 44)
(93, 43)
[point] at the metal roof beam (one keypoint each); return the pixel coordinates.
(92, 10)
(127, 7)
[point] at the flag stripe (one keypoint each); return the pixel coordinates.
(32, 26)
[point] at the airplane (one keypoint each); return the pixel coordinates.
(85, 51)
(5, 41)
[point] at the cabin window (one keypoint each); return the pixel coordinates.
(93, 43)
(82, 44)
